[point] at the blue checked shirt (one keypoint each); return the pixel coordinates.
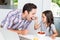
(14, 21)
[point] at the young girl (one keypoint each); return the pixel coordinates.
(47, 24)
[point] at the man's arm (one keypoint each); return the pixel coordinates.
(23, 32)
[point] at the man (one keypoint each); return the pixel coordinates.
(18, 22)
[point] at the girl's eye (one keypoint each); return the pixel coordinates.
(42, 17)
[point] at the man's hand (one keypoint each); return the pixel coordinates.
(24, 32)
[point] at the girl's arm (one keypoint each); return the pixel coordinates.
(55, 34)
(36, 24)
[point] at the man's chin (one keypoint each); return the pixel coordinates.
(30, 19)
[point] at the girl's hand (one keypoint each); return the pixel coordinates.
(36, 23)
(34, 18)
(53, 37)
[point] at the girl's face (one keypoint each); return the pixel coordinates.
(44, 18)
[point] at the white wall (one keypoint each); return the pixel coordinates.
(46, 5)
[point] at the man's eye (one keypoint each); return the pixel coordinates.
(33, 13)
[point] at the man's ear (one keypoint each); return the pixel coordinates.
(26, 12)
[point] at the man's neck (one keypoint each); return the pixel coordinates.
(23, 16)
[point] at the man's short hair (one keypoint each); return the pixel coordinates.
(29, 7)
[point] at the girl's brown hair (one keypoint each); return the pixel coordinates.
(50, 18)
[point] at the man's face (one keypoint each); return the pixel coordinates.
(31, 14)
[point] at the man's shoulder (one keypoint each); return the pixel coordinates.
(14, 12)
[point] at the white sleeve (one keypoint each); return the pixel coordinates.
(53, 27)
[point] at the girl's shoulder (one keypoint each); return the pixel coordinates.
(53, 27)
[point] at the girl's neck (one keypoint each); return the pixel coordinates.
(46, 24)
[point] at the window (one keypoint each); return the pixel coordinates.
(57, 2)
(8, 4)
(15, 2)
(2, 2)
(56, 7)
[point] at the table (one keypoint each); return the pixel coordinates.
(40, 37)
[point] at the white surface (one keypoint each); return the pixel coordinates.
(31, 37)
(9, 35)
(27, 36)
(1, 36)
